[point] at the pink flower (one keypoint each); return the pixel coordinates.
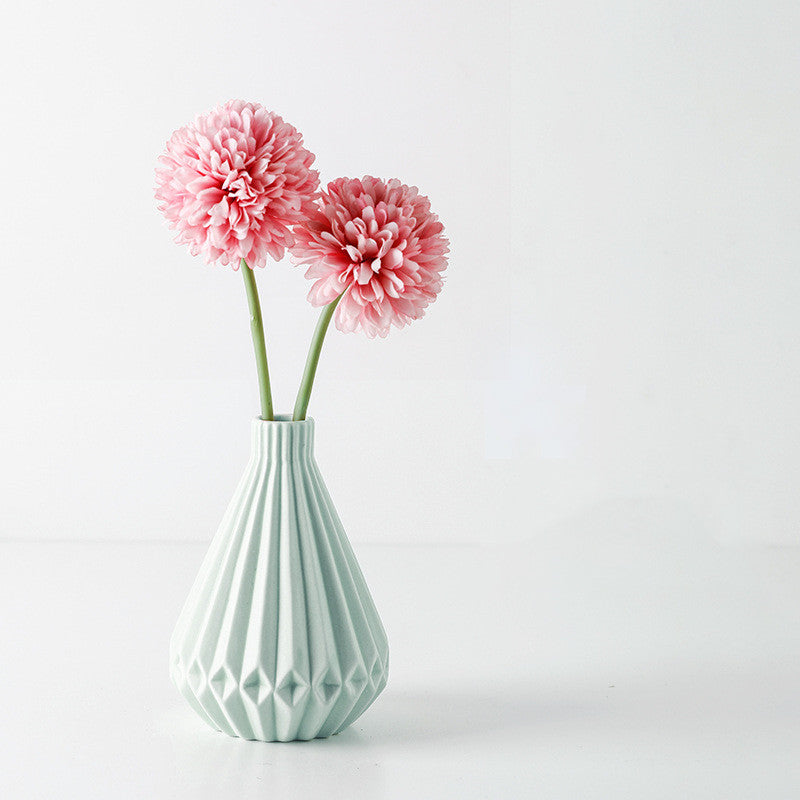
(233, 184)
(377, 242)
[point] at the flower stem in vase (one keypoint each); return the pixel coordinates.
(304, 393)
(257, 330)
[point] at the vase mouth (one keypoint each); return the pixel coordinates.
(283, 419)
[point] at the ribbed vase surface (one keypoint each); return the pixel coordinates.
(279, 638)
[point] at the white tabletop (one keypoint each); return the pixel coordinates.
(599, 662)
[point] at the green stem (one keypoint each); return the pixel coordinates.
(257, 330)
(304, 393)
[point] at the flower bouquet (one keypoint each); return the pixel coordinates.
(279, 638)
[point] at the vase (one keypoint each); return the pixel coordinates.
(279, 638)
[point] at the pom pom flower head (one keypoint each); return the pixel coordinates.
(234, 183)
(375, 250)
(237, 186)
(378, 246)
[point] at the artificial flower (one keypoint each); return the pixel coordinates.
(234, 183)
(377, 245)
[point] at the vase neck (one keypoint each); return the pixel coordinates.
(282, 438)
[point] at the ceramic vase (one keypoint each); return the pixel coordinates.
(279, 638)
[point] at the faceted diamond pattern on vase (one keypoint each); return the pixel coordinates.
(292, 689)
(357, 679)
(195, 678)
(328, 689)
(257, 687)
(376, 673)
(223, 684)
(279, 638)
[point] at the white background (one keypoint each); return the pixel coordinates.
(619, 184)
(613, 360)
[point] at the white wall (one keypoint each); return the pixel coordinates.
(619, 325)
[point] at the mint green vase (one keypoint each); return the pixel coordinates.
(279, 638)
